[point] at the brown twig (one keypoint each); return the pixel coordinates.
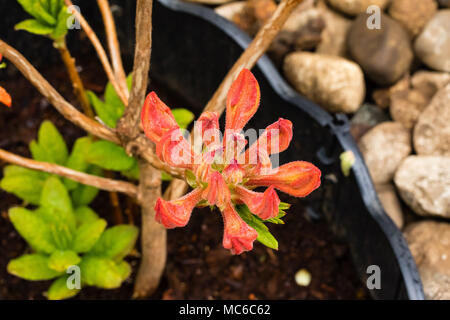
(141, 145)
(46, 89)
(99, 49)
(254, 51)
(77, 84)
(113, 44)
(81, 177)
(248, 59)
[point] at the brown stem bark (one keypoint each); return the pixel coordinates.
(74, 76)
(113, 45)
(247, 60)
(81, 177)
(153, 235)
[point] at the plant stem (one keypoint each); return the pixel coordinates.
(153, 235)
(81, 177)
(77, 84)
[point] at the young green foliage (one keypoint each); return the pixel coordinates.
(50, 18)
(62, 236)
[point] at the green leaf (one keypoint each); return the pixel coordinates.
(62, 259)
(183, 117)
(133, 173)
(87, 235)
(347, 161)
(264, 236)
(56, 198)
(50, 146)
(191, 179)
(110, 156)
(59, 289)
(116, 242)
(165, 176)
(106, 114)
(33, 229)
(35, 9)
(61, 29)
(101, 272)
(85, 215)
(24, 183)
(34, 26)
(83, 194)
(77, 159)
(32, 267)
(124, 269)
(62, 235)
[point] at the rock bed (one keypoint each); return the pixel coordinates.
(394, 83)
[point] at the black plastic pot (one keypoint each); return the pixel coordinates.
(193, 48)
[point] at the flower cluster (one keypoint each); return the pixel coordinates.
(5, 98)
(221, 173)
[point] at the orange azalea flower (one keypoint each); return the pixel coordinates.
(224, 174)
(5, 98)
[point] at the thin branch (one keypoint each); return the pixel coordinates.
(77, 84)
(81, 177)
(248, 59)
(254, 51)
(100, 51)
(113, 44)
(65, 108)
(128, 125)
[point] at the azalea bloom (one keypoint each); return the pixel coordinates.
(220, 171)
(5, 98)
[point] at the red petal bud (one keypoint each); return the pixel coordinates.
(175, 150)
(156, 118)
(298, 178)
(5, 98)
(264, 205)
(257, 164)
(238, 236)
(233, 173)
(217, 192)
(206, 129)
(242, 100)
(275, 139)
(176, 213)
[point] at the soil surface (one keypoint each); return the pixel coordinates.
(198, 267)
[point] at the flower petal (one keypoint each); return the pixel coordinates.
(256, 163)
(217, 192)
(275, 139)
(264, 205)
(5, 98)
(233, 173)
(173, 149)
(156, 118)
(238, 236)
(242, 100)
(206, 130)
(298, 178)
(176, 213)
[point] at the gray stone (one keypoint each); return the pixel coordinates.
(413, 15)
(333, 82)
(354, 7)
(384, 54)
(384, 147)
(432, 46)
(334, 35)
(367, 117)
(432, 131)
(406, 106)
(230, 9)
(429, 243)
(391, 203)
(424, 184)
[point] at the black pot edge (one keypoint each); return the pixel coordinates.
(339, 127)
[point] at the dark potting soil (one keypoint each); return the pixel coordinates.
(197, 265)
